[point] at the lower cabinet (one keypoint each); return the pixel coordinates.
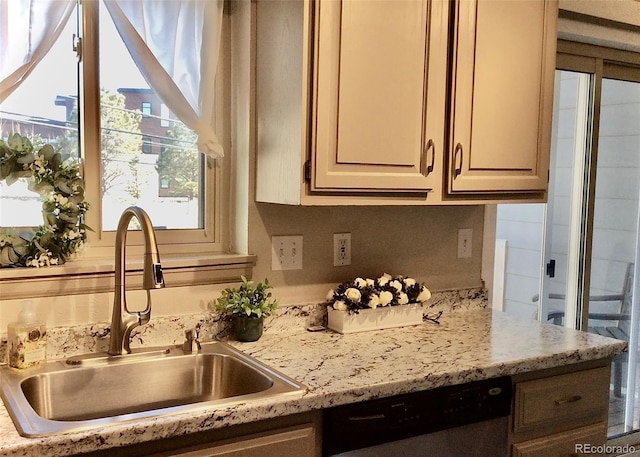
(297, 435)
(570, 443)
(294, 441)
(562, 412)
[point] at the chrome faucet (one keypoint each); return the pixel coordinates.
(124, 321)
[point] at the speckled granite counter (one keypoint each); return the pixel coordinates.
(467, 345)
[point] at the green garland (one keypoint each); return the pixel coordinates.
(62, 187)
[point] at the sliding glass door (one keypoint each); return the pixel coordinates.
(586, 237)
(613, 305)
(565, 211)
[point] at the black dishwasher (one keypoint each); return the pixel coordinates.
(461, 420)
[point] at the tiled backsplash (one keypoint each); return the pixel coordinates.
(64, 342)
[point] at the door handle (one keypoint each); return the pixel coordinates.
(457, 171)
(551, 268)
(429, 148)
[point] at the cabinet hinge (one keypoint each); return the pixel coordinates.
(307, 171)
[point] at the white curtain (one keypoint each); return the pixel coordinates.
(175, 45)
(28, 29)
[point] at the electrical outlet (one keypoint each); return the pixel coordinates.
(341, 249)
(464, 243)
(286, 252)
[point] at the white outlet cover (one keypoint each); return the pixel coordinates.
(341, 249)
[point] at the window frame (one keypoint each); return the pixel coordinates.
(189, 256)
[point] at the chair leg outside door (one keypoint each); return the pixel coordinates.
(617, 378)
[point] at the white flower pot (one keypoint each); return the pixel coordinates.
(374, 319)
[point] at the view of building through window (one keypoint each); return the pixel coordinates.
(38, 110)
(148, 157)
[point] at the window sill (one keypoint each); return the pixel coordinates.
(97, 275)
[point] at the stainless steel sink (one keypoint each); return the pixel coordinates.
(98, 390)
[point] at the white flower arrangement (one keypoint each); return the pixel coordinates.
(386, 290)
(63, 233)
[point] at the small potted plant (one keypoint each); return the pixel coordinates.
(247, 305)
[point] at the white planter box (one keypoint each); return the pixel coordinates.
(374, 319)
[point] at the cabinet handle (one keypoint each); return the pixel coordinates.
(429, 147)
(457, 171)
(564, 401)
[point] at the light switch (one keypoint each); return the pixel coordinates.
(286, 252)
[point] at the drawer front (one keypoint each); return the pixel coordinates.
(293, 441)
(582, 441)
(562, 402)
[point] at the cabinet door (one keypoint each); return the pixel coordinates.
(298, 442)
(380, 95)
(503, 72)
(582, 441)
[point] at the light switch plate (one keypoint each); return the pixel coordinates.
(286, 252)
(464, 243)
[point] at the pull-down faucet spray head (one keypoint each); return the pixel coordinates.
(123, 320)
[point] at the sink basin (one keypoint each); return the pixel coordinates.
(100, 390)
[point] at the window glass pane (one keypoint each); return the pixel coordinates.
(149, 158)
(44, 109)
(146, 109)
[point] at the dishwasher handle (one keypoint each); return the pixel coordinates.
(369, 417)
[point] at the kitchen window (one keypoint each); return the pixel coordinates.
(97, 106)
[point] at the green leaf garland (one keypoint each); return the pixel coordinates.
(63, 232)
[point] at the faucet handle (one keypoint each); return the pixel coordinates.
(192, 344)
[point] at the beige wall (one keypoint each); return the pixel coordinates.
(618, 30)
(627, 11)
(415, 241)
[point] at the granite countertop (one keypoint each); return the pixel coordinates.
(466, 345)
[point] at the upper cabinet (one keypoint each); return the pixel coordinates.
(502, 96)
(379, 95)
(403, 102)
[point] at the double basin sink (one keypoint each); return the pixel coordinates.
(89, 392)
